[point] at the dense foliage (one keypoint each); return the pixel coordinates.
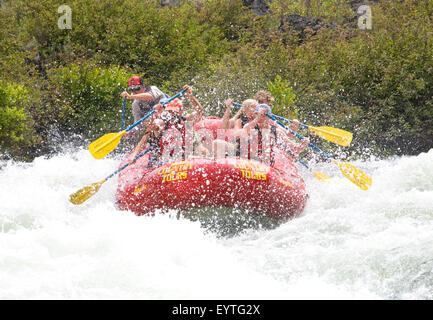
(375, 83)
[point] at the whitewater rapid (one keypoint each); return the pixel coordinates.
(348, 244)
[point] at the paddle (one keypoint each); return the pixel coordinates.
(319, 175)
(361, 179)
(338, 136)
(107, 143)
(88, 191)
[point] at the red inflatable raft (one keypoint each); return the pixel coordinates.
(277, 191)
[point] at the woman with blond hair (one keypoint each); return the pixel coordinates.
(233, 127)
(242, 117)
(246, 112)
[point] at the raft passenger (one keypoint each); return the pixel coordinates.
(242, 117)
(265, 97)
(168, 129)
(145, 98)
(266, 135)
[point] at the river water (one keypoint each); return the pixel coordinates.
(348, 244)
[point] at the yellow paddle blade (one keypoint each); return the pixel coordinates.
(355, 175)
(85, 193)
(105, 144)
(338, 136)
(321, 176)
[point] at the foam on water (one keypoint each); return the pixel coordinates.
(348, 244)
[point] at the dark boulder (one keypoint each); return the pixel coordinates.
(304, 25)
(260, 7)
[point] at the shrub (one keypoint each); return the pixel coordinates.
(16, 127)
(375, 83)
(87, 97)
(284, 102)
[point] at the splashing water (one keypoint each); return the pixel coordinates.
(348, 244)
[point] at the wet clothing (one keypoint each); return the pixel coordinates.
(172, 121)
(155, 154)
(244, 121)
(141, 108)
(260, 146)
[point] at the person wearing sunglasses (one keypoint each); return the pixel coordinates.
(145, 97)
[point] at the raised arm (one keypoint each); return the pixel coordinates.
(197, 115)
(259, 117)
(226, 121)
(294, 127)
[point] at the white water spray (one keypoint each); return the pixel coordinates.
(348, 244)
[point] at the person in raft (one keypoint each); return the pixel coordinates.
(242, 117)
(245, 115)
(145, 98)
(265, 97)
(263, 136)
(166, 133)
(246, 112)
(226, 146)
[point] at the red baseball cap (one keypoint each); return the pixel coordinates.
(135, 83)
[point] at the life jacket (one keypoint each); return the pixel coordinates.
(174, 129)
(260, 145)
(155, 154)
(244, 121)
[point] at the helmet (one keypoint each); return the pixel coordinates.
(163, 101)
(135, 83)
(263, 106)
(175, 105)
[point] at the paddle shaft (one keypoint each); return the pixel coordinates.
(127, 164)
(284, 119)
(287, 149)
(153, 111)
(356, 176)
(123, 115)
(276, 119)
(337, 136)
(272, 117)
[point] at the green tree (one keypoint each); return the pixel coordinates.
(88, 98)
(15, 125)
(284, 103)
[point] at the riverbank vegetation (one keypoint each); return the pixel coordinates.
(321, 67)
